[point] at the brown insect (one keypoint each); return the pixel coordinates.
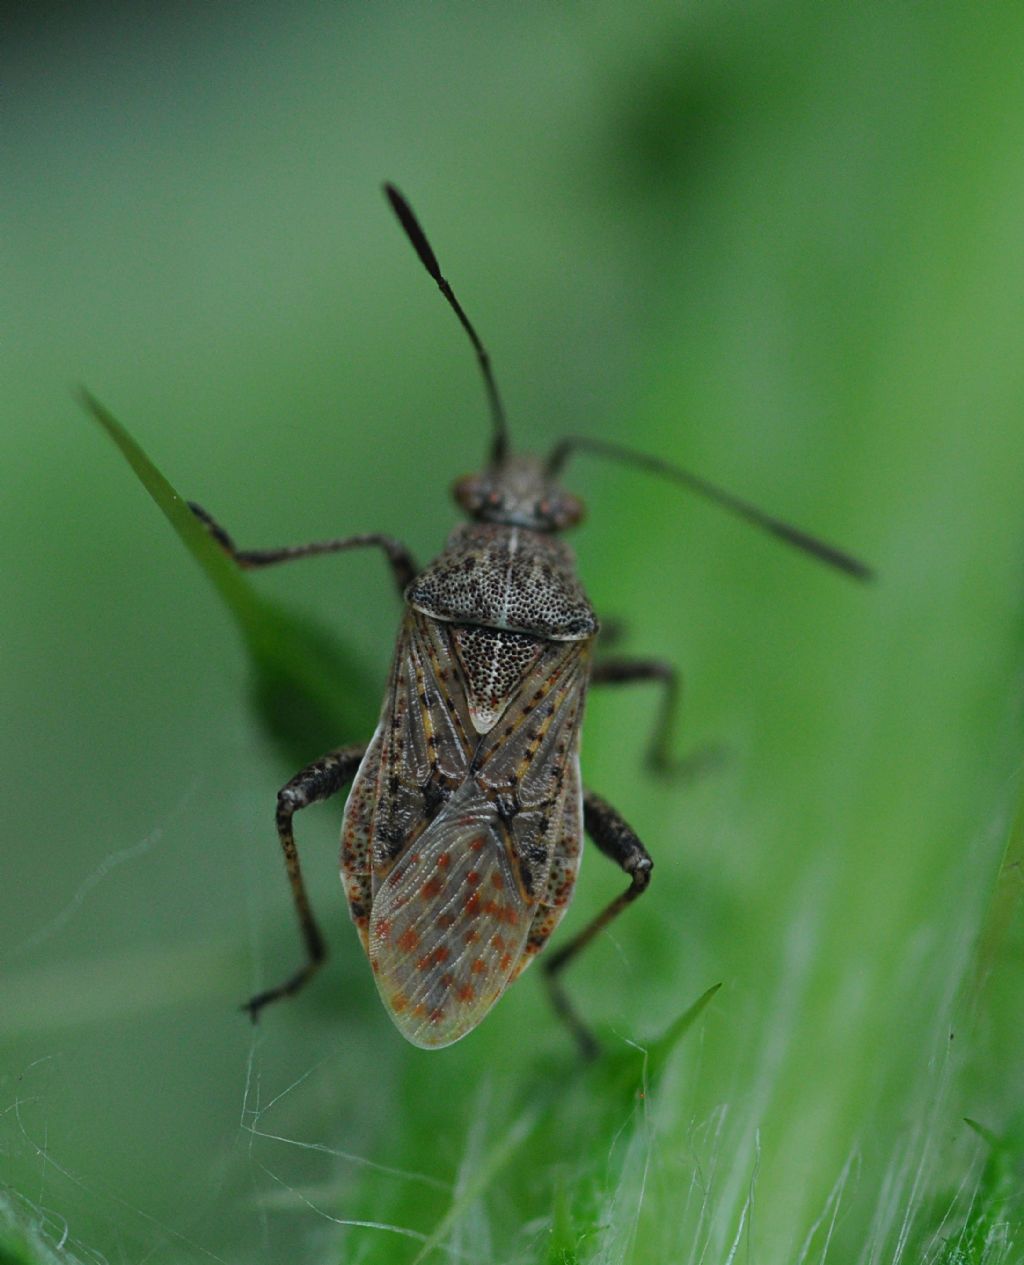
(463, 830)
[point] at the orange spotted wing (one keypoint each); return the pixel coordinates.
(462, 833)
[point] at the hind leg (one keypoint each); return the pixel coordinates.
(617, 841)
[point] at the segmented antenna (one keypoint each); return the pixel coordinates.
(429, 260)
(786, 532)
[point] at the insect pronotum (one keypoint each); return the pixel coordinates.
(463, 830)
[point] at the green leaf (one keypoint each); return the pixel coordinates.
(307, 686)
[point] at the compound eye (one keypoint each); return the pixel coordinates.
(466, 491)
(568, 511)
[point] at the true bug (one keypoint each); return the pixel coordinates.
(462, 833)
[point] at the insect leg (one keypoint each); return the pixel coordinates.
(320, 780)
(613, 633)
(659, 755)
(616, 840)
(401, 561)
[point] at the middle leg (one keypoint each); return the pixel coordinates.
(660, 755)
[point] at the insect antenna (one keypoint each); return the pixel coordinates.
(784, 531)
(429, 260)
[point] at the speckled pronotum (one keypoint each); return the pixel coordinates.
(463, 830)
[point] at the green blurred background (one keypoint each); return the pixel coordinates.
(780, 243)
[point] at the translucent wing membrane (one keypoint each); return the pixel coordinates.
(449, 924)
(461, 843)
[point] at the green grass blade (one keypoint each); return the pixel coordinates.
(308, 688)
(229, 582)
(1005, 907)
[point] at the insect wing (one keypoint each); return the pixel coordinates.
(425, 740)
(456, 841)
(449, 924)
(420, 746)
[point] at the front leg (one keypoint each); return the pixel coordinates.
(617, 840)
(319, 781)
(403, 568)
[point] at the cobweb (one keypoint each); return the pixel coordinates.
(298, 1162)
(239, 1187)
